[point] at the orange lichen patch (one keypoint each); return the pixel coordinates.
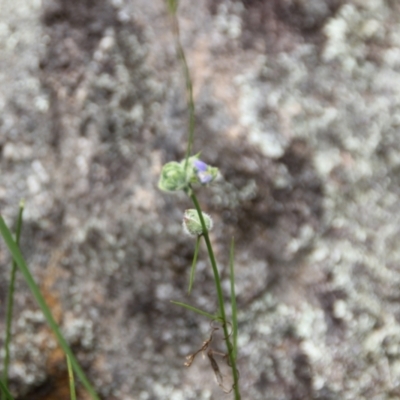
(55, 359)
(59, 388)
(51, 275)
(53, 302)
(48, 279)
(55, 356)
(56, 387)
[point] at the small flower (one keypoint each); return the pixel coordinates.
(204, 173)
(192, 224)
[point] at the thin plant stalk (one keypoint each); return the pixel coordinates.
(217, 279)
(233, 297)
(14, 250)
(194, 263)
(188, 80)
(71, 379)
(10, 301)
(196, 310)
(5, 391)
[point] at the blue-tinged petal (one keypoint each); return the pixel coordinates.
(201, 166)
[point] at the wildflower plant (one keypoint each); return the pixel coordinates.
(189, 175)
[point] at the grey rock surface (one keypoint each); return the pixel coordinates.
(297, 103)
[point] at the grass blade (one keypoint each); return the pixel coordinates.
(10, 302)
(16, 254)
(233, 298)
(196, 310)
(71, 379)
(5, 391)
(194, 263)
(172, 6)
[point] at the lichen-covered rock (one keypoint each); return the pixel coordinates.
(297, 104)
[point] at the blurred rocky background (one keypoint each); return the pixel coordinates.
(298, 104)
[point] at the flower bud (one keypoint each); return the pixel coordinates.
(173, 177)
(192, 224)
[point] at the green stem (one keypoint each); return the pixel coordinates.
(194, 264)
(231, 356)
(10, 301)
(71, 380)
(233, 298)
(172, 6)
(189, 86)
(196, 310)
(5, 391)
(19, 259)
